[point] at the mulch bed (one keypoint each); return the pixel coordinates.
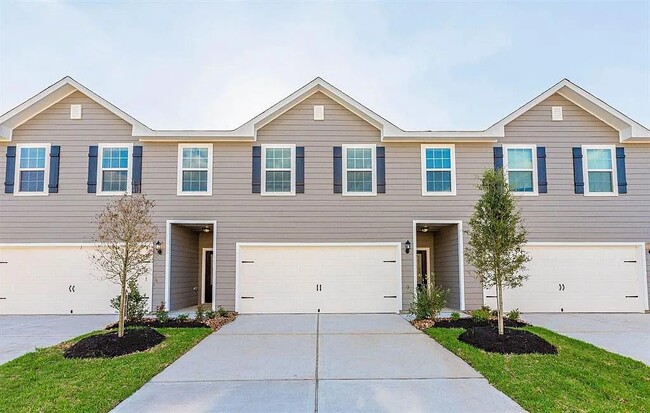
(469, 323)
(108, 345)
(218, 322)
(153, 323)
(511, 342)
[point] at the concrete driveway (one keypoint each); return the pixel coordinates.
(20, 334)
(326, 363)
(626, 334)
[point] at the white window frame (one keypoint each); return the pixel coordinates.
(344, 161)
(613, 170)
(506, 168)
(100, 175)
(180, 169)
(292, 170)
(18, 169)
(424, 170)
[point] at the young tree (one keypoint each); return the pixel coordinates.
(124, 238)
(496, 238)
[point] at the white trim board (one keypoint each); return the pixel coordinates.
(168, 258)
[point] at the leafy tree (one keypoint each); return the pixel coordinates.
(124, 244)
(497, 237)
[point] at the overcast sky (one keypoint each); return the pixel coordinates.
(422, 65)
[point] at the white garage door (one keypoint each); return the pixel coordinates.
(54, 280)
(308, 278)
(580, 278)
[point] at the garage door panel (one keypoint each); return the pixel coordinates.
(570, 278)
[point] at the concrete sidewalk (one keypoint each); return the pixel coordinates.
(326, 363)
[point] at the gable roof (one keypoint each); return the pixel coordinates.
(629, 130)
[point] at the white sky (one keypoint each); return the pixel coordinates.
(422, 65)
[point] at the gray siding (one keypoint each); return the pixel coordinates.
(185, 260)
(446, 262)
(318, 214)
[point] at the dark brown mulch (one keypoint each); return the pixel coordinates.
(469, 323)
(511, 342)
(218, 322)
(153, 323)
(109, 345)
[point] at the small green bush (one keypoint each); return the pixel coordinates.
(428, 302)
(199, 314)
(486, 308)
(182, 317)
(161, 313)
(494, 313)
(513, 314)
(455, 316)
(481, 315)
(222, 311)
(209, 315)
(136, 303)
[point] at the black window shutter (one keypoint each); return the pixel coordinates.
(542, 184)
(136, 187)
(10, 170)
(620, 170)
(257, 169)
(338, 169)
(578, 180)
(381, 170)
(300, 169)
(498, 157)
(92, 169)
(55, 155)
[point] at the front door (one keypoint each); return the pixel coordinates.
(207, 294)
(423, 268)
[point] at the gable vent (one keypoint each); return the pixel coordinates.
(319, 112)
(75, 111)
(556, 113)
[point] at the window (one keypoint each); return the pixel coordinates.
(114, 175)
(194, 169)
(438, 170)
(278, 170)
(359, 171)
(32, 172)
(599, 170)
(520, 165)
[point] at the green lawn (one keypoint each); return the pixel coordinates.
(581, 378)
(44, 381)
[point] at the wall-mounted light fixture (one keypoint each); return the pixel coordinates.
(407, 246)
(159, 247)
(206, 229)
(425, 229)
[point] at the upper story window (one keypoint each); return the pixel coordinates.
(520, 166)
(359, 170)
(194, 169)
(438, 170)
(599, 170)
(33, 169)
(278, 170)
(115, 168)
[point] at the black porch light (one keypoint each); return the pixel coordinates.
(159, 247)
(407, 246)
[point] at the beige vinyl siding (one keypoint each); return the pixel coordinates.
(318, 215)
(446, 262)
(184, 263)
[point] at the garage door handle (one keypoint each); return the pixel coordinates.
(248, 262)
(390, 296)
(390, 261)
(631, 296)
(247, 298)
(631, 261)
(3, 262)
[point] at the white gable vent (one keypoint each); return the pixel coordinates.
(556, 113)
(319, 112)
(75, 111)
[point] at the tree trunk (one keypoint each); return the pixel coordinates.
(500, 307)
(120, 321)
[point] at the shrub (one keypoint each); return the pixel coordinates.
(182, 317)
(209, 315)
(486, 308)
(455, 316)
(428, 302)
(513, 314)
(481, 315)
(161, 313)
(136, 303)
(494, 313)
(222, 311)
(199, 314)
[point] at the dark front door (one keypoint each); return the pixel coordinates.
(208, 277)
(423, 268)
